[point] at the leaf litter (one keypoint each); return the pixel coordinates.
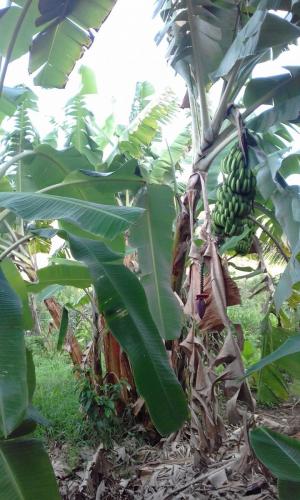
(167, 470)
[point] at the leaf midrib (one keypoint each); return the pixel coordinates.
(154, 267)
(87, 205)
(2, 413)
(14, 481)
(277, 443)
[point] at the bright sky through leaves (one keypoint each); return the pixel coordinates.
(123, 53)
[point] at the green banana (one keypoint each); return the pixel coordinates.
(235, 198)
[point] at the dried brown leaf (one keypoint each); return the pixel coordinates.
(235, 388)
(194, 290)
(220, 289)
(217, 479)
(138, 405)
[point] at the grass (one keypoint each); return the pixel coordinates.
(56, 398)
(249, 314)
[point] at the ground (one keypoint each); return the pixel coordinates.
(133, 469)
(124, 462)
(166, 470)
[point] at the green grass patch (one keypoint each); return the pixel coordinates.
(249, 314)
(56, 397)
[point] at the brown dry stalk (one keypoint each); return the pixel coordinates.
(183, 231)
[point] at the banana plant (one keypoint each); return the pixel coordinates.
(77, 189)
(42, 28)
(105, 206)
(221, 42)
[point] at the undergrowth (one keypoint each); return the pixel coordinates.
(66, 404)
(56, 398)
(59, 396)
(249, 315)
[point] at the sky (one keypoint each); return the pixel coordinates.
(123, 53)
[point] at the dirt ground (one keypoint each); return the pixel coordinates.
(168, 470)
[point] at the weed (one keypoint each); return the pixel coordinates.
(100, 408)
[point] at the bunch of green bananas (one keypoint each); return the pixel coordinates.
(243, 246)
(234, 197)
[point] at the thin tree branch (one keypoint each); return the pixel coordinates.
(12, 161)
(276, 243)
(199, 73)
(12, 43)
(15, 245)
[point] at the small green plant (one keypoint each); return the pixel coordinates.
(100, 407)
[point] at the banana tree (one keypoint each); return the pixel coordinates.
(65, 186)
(215, 47)
(208, 42)
(85, 198)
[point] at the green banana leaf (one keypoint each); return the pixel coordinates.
(281, 455)
(105, 220)
(10, 99)
(8, 22)
(13, 380)
(26, 472)
(48, 166)
(152, 236)
(68, 274)
(289, 347)
(16, 281)
(53, 65)
(263, 31)
(123, 303)
(103, 183)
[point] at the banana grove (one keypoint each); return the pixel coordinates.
(151, 254)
